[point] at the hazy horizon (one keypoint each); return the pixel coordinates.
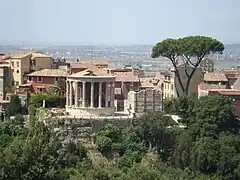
(116, 22)
(69, 44)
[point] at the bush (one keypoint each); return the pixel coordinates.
(14, 107)
(37, 99)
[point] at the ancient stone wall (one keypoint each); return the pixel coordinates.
(145, 100)
(81, 130)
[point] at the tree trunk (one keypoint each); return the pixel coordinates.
(190, 78)
(180, 82)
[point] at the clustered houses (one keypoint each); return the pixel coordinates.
(205, 81)
(92, 88)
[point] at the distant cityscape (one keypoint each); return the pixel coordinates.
(119, 56)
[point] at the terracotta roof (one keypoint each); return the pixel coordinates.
(87, 64)
(126, 77)
(49, 72)
(229, 92)
(91, 72)
(231, 71)
(35, 86)
(19, 55)
(205, 86)
(215, 76)
(39, 55)
(2, 59)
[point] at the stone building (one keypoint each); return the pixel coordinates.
(90, 93)
(145, 101)
(171, 83)
(207, 65)
(211, 81)
(22, 63)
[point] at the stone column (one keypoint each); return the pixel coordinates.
(71, 94)
(100, 95)
(67, 93)
(112, 94)
(76, 94)
(92, 94)
(106, 94)
(84, 93)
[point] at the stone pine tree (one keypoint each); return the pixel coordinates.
(190, 50)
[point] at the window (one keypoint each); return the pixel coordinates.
(39, 79)
(12, 70)
(56, 78)
(13, 63)
(33, 62)
(29, 78)
(16, 83)
(41, 89)
(17, 63)
(17, 71)
(13, 83)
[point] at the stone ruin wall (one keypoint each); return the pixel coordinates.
(145, 100)
(81, 130)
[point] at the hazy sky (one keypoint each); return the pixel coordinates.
(116, 21)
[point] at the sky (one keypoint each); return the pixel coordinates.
(119, 22)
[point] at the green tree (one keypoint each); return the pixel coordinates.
(213, 114)
(210, 142)
(14, 107)
(36, 100)
(190, 50)
(183, 106)
(33, 157)
(108, 138)
(59, 89)
(153, 129)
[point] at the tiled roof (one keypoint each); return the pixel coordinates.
(228, 91)
(49, 72)
(39, 55)
(231, 71)
(215, 76)
(87, 64)
(19, 55)
(91, 72)
(35, 86)
(205, 86)
(22, 54)
(126, 77)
